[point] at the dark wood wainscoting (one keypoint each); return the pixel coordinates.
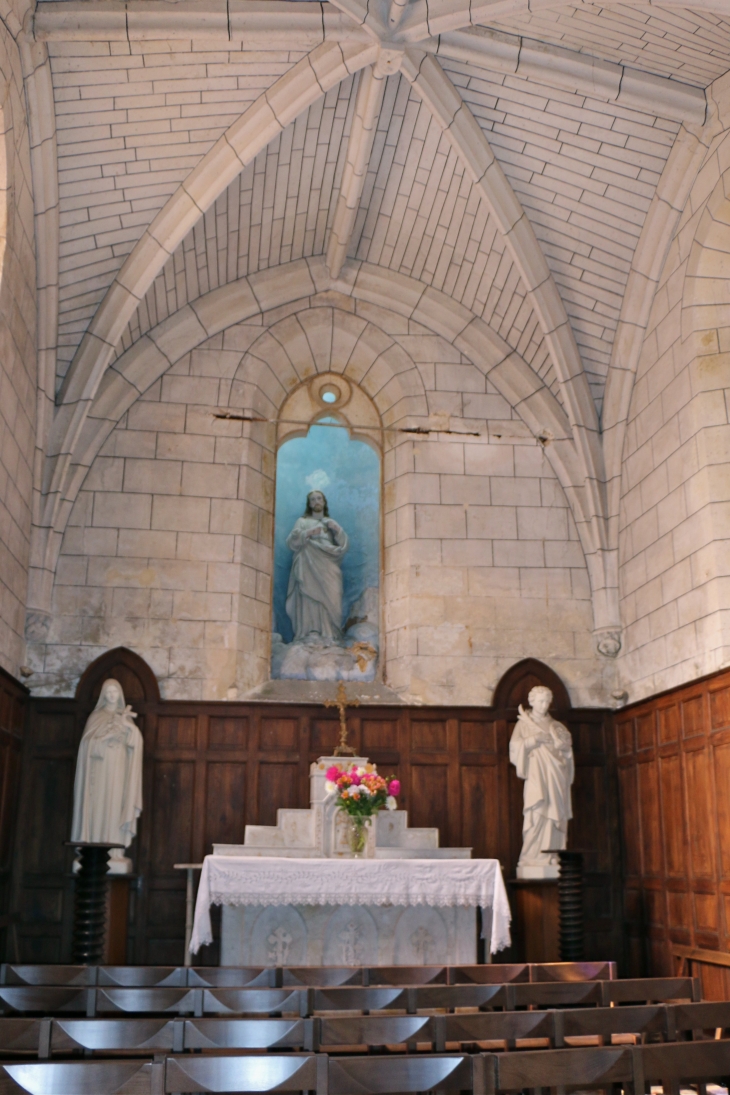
(674, 775)
(212, 768)
(13, 702)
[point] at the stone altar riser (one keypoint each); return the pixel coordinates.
(347, 935)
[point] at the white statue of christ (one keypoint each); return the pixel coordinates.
(108, 784)
(541, 750)
(314, 596)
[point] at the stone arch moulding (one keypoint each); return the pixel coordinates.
(138, 681)
(690, 154)
(514, 686)
(424, 19)
(5, 134)
(144, 362)
(706, 297)
(309, 79)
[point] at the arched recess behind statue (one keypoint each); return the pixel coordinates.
(512, 690)
(514, 687)
(138, 682)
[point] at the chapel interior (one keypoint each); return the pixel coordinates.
(364, 374)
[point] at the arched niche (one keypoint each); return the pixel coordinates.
(514, 687)
(330, 395)
(135, 676)
(329, 440)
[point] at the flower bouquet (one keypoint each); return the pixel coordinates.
(361, 793)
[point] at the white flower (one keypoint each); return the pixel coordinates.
(330, 787)
(360, 771)
(364, 790)
(390, 803)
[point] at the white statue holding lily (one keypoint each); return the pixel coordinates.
(361, 794)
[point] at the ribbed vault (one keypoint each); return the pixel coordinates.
(513, 191)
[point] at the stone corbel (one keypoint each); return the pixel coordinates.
(608, 642)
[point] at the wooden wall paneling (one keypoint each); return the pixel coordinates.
(478, 793)
(211, 768)
(41, 863)
(677, 860)
(13, 709)
(595, 830)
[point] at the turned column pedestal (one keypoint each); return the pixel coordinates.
(90, 901)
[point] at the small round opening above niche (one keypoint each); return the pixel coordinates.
(331, 392)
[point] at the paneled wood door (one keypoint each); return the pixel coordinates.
(212, 768)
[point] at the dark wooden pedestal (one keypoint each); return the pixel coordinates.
(535, 926)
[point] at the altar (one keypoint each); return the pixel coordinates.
(292, 896)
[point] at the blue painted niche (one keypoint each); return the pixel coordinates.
(347, 471)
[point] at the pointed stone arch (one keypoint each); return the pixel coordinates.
(153, 354)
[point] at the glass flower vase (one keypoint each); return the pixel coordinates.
(358, 830)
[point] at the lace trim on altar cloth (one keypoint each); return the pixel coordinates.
(218, 897)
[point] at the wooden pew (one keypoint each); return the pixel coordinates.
(295, 976)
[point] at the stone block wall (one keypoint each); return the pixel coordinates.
(169, 546)
(17, 354)
(675, 514)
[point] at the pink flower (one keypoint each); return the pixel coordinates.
(394, 788)
(355, 778)
(333, 773)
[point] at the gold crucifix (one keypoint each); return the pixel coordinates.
(343, 749)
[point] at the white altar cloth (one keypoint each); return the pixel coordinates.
(274, 880)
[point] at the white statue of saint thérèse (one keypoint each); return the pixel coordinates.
(314, 596)
(108, 785)
(541, 750)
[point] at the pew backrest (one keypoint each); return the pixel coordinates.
(233, 977)
(382, 1075)
(201, 1034)
(292, 1072)
(110, 1035)
(305, 976)
(72, 1078)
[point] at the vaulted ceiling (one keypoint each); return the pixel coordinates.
(508, 157)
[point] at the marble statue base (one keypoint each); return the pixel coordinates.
(347, 935)
(119, 865)
(546, 870)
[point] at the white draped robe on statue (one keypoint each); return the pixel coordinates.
(108, 785)
(548, 770)
(314, 596)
